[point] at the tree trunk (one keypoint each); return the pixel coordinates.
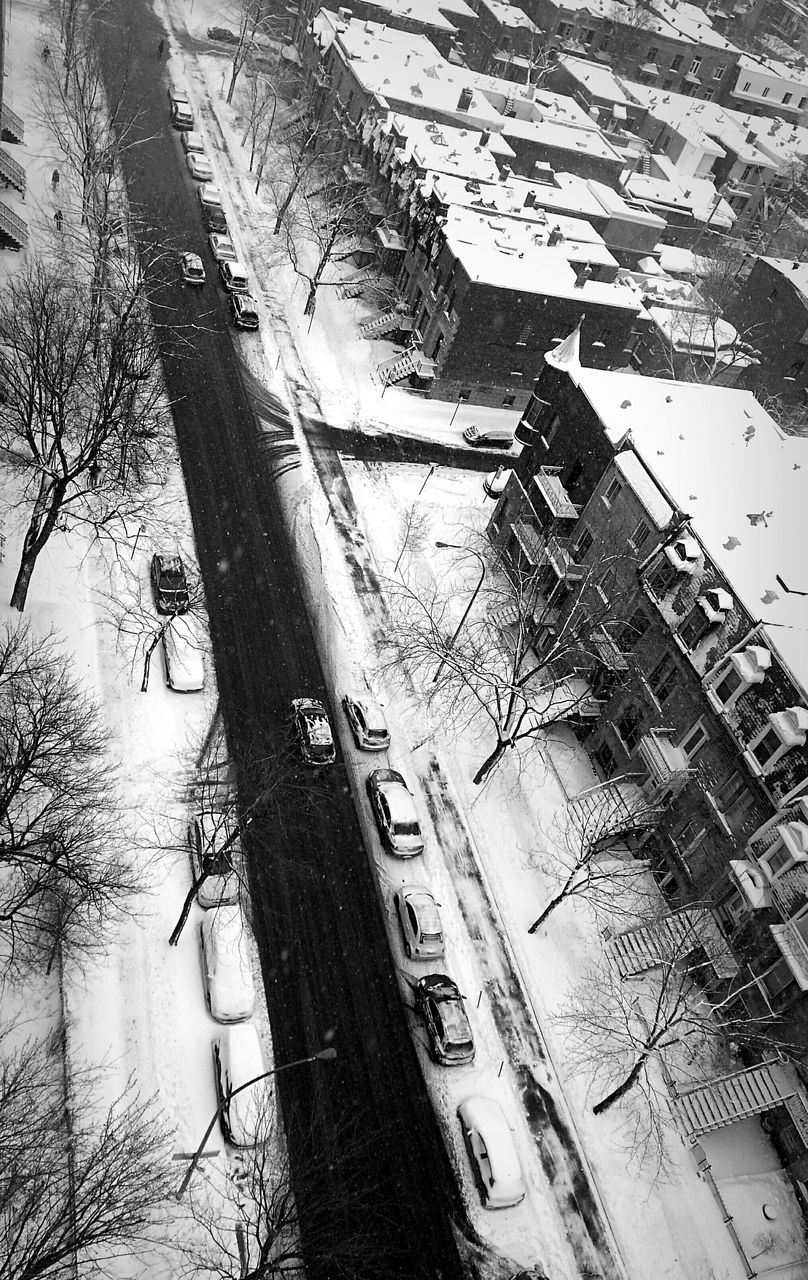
(186, 911)
(40, 528)
(490, 762)
(548, 910)
(622, 1089)
(289, 197)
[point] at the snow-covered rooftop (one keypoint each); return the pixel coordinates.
(428, 12)
(796, 273)
(446, 149)
(677, 22)
(513, 255)
(598, 79)
(508, 15)
(721, 458)
(507, 200)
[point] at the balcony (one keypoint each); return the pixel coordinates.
(666, 764)
(792, 939)
(12, 128)
(558, 556)
(548, 482)
(529, 540)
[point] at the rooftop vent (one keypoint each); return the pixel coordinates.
(345, 15)
(464, 101)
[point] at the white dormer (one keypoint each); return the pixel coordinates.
(715, 604)
(751, 663)
(683, 554)
(740, 671)
(785, 730)
(794, 836)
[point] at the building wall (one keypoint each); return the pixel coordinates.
(776, 317)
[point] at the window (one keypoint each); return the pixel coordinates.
(803, 103)
(731, 801)
(652, 54)
(709, 94)
(677, 62)
(612, 491)
(605, 587)
(694, 740)
(786, 99)
(749, 173)
(733, 910)
(662, 680)
(581, 545)
(565, 29)
(718, 73)
(778, 859)
(766, 92)
(745, 86)
(526, 333)
(552, 427)
(661, 578)
(508, 401)
(694, 628)
(690, 837)
(627, 635)
(695, 67)
(772, 294)
(628, 726)
(729, 688)
(587, 35)
(778, 984)
(604, 759)
(640, 536)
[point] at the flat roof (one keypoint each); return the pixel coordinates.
(508, 15)
(745, 498)
(445, 149)
(599, 78)
(512, 255)
(427, 12)
(507, 200)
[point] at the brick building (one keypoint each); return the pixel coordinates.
(773, 303)
(505, 42)
(703, 684)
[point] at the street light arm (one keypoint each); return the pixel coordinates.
(323, 1055)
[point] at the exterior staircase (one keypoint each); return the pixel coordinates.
(386, 322)
(396, 368)
(725, 1099)
(619, 806)
(11, 172)
(13, 230)
(670, 939)
(12, 128)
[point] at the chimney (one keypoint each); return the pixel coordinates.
(530, 200)
(555, 237)
(485, 137)
(407, 61)
(345, 15)
(582, 274)
(505, 172)
(464, 101)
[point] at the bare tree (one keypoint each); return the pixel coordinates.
(80, 1184)
(590, 860)
(674, 1023)
(327, 228)
(65, 875)
(80, 420)
(625, 34)
(307, 144)
(515, 663)
(283, 1217)
(254, 22)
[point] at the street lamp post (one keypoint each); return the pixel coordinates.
(323, 1055)
(452, 546)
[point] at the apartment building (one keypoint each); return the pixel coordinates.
(506, 43)
(447, 23)
(769, 87)
(702, 682)
(773, 305)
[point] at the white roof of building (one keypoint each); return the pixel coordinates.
(678, 22)
(508, 15)
(599, 79)
(506, 201)
(512, 255)
(722, 459)
(442, 148)
(771, 69)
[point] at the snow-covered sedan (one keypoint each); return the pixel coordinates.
(394, 811)
(244, 309)
(313, 731)
(420, 922)
(226, 967)
(443, 1012)
(222, 247)
(169, 584)
(492, 1152)
(193, 141)
(234, 277)
(182, 653)
(214, 843)
(192, 269)
(367, 722)
(199, 166)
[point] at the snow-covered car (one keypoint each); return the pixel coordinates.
(226, 967)
(169, 584)
(442, 1009)
(367, 722)
(214, 219)
(182, 654)
(394, 811)
(495, 482)
(244, 309)
(222, 247)
(234, 277)
(199, 166)
(237, 1060)
(420, 922)
(492, 1152)
(176, 93)
(214, 843)
(313, 731)
(193, 141)
(488, 437)
(210, 196)
(182, 117)
(193, 272)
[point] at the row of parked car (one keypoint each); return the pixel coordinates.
(437, 1000)
(232, 271)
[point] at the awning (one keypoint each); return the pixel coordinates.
(649, 69)
(390, 239)
(752, 883)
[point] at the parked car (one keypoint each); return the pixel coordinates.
(176, 94)
(488, 437)
(442, 1008)
(213, 219)
(313, 730)
(394, 811)
(210, 196)
(238, 1059)
(169, 584)
(495, 482)
(222, 35)
(182, 117)
(182, 653)
(193, 141)
(226, 967)
(245, 310)
(199, 166)
(192, 269)
(214, 844)
(492, 1152)
(234, 277)
(222, 247)
(420, 922)
(367, 722)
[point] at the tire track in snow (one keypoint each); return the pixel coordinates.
(557, 1147)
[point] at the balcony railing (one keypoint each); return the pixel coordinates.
(559, 557)
(794, 947)
(548, 483)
